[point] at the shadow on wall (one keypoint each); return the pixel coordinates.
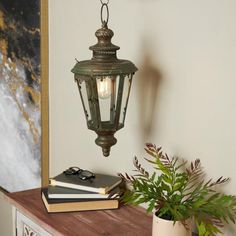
(148, 81)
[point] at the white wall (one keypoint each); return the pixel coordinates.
(6, 224)
(192, 44)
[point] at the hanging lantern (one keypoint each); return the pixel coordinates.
(104, 84)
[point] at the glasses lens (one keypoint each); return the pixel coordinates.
(72, 171)
(85, 174)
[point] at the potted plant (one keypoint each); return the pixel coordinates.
(178, 192)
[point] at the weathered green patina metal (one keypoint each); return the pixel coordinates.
(104, 64)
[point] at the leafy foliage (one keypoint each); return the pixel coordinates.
(178, 192)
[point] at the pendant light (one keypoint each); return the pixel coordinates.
(104, 84)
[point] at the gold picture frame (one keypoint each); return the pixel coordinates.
(44, 94)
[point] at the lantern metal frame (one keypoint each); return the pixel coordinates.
(104, 63)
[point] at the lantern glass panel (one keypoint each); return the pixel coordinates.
(84, 98)
(125, 98)
(107, 96)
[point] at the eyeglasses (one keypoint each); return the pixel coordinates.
(82, 174)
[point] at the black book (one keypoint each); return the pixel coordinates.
(57, 192)
(102, 183)
(69, 205)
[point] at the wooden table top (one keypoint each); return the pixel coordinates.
(127, 220)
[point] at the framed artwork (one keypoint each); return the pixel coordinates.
(23, 94)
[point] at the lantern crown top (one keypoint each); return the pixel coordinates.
(104, 32)
(104, 61)
(104, 49)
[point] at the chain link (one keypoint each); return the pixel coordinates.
(103, 2)
(107, 13)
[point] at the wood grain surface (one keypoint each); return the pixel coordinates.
(125, 221)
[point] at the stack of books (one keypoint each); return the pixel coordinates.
(67, 193)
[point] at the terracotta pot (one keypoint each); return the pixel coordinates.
(162, 227)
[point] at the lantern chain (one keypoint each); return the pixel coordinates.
(103, 2)
(104, 5)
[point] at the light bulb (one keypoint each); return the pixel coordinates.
(104, 87)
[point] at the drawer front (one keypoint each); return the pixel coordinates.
(26, 227)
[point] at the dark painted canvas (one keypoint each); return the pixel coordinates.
(20, 95)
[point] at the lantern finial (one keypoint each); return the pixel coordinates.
(105, 141)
